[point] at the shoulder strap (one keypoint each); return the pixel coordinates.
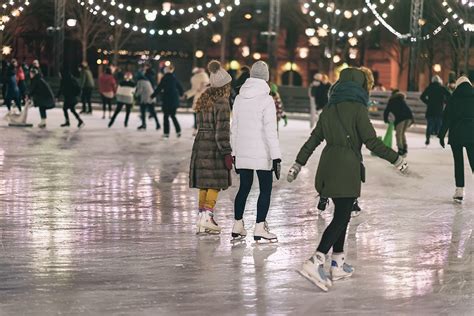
(351, 144)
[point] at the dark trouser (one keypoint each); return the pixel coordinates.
(335, 234)
(42, 112)
(151, 108)
(265, 179)
(128, 108)
(72, 108)
(195, 121)
(166, 118)
(401, 130)
(106, 103)
(87, 100)
(9, 101)
(433, 126)
(458, 156)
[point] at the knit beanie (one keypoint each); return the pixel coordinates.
(219, 76)
(462, 80)
(260, 71)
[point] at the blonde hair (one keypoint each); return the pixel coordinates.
(209, 97)
(369, 77)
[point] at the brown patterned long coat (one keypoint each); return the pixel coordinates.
(212, 143)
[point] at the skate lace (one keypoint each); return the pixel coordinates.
(211, 217)
(266, 228)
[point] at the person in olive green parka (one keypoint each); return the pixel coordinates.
(345, 125)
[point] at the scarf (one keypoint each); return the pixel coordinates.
(348, 91)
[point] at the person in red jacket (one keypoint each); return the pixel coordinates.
(107, 88)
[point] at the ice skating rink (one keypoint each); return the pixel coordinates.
(101, 221)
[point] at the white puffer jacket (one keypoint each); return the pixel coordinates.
(254, 127)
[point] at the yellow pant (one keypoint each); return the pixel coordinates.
(207, 198)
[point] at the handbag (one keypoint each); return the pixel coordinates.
(354, 149)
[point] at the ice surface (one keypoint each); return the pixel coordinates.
(101, 221)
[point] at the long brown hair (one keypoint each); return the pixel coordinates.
(207, 100)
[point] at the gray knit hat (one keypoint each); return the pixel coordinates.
(219, 76)
(260, 71)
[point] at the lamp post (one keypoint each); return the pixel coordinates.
(58, 35)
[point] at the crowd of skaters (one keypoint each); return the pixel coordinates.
(249, 142)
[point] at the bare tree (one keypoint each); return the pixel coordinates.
(399, 54)
(90, 28)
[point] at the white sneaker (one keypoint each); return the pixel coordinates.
(238, 230)
(458, 195)
(340, 269)
(207, 224)
(262, 233)
(313, 270)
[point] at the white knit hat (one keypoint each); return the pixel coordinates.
(260, 71)
(462, 80)
(219, 76)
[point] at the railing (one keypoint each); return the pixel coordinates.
(296, 100)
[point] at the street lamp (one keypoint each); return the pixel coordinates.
(71, 22)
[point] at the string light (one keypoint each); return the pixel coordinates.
(202, 21)
(330, 7)
(381, 19)
(350, 34)
(167, 11)
(15, 12)
(468, 27)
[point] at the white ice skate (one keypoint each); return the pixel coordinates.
(238, 230)
(313, 270)
(207, 224)
(262, 233)
(459, 195)
(340, 269)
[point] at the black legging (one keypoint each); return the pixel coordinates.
(265, 179)
(166, 118)
(335, 234)
(72, 108)
(459, 162)
(106, 103)
(151, 108)
(87, 100)
(128, 108)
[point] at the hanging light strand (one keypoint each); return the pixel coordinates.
(17, 8)
(466, 25)
(335, 31)
(198, 23)
(180, 12)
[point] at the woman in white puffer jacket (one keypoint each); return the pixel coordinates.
(255, 147)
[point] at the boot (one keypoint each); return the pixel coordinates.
(313, 270)
(238, 230)
(458, 195)
(66, 124)
(340, 269)
(42, 124)
(80, 124)
(262, 233)
(141, 127)
(207, 224)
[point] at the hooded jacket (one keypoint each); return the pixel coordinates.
(199, 84)
(254, 127)
(339, 173)
(458, 117)
(399, 108)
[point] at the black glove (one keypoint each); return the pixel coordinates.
(277, 168)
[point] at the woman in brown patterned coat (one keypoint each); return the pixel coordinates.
(211, 159)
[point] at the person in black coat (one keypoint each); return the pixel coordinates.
(70, 88)
(398, 106)
(458, 119)
(42, 95)
(171, 91)
(320, 91)
(238, 83)
(435, 97)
